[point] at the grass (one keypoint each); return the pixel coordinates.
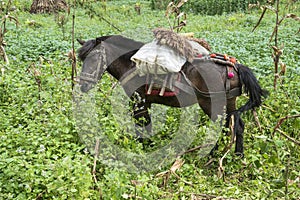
(42, 156)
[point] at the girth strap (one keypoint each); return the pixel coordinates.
(188, 88)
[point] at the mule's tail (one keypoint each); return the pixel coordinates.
(252, 88)
(256, 93)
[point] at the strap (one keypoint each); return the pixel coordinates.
(128, 76)
(184, 87)
(234, 92)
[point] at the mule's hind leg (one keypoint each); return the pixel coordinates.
(140, 113)
(214, 108)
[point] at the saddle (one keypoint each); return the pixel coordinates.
(172, 83)
(161, 61)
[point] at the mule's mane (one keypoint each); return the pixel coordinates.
(116, 40)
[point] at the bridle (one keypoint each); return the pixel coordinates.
(101, 66)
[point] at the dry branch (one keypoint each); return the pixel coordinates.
(197, 148)
(166, 174)
(260, 19)
(3, 54)
(288, 137)
(283, 119)
(256, 119)
(276, 128)
(227, 149)
(95, 165)
(95, 159)
(74, 70)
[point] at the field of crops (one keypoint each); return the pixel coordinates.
(43, 156)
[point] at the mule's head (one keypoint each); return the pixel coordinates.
(113, 52)
(92, 54)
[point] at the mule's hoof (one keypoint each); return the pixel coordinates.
(239, 154)
(145, 141)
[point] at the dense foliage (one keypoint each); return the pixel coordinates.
(210, 7)
(42, 156)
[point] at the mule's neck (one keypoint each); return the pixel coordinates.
(119, 67)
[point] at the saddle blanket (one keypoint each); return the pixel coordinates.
(162, 59)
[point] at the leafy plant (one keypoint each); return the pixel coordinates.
(3, 29)
(179, 17)
(210, 7)
(277, 51)
(42, 156)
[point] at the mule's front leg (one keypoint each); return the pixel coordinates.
(140, 111)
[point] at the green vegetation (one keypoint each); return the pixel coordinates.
(42, 156)
(210, 7)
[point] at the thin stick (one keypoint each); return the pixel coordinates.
(74, 71)
(95, 165)
(261, 17)
(281, 132)
(196, 148)
(283, 119)
(256, 119)
(178, 177)
(110, 23)
(277, 55)
(95, 159)
(221, 168)
(4, 54)
(288, 137)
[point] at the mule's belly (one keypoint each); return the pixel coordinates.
(181, 100)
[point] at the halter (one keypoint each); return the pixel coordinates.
(96, 75)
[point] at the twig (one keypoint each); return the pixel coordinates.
(166, 174)
(269, 108)
(256, 119)
(95, 164)
(288, 137)
(276, 49)
(114, 85)
(196, 148)
(283, 119)
(276, 128)
(110, 23)
(221, 168)
(4, 54)
(261, 17)
(178, 177)
(40, 195)
(95, 159)
(209, 162)
(74, 71)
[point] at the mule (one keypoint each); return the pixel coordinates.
(204, 81)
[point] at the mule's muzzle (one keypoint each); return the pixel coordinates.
(85, 86)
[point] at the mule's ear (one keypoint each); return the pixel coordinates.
(80, 41)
